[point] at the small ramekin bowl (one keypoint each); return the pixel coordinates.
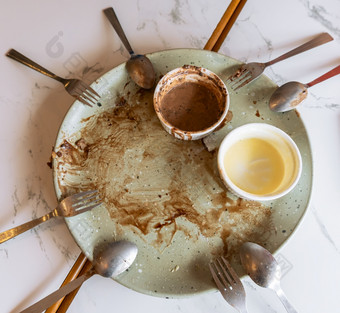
(283, 152)
(189, 73)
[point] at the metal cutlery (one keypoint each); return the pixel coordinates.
(75, 87)
(229, 284)
(139, 66)
(109, 260)
(70, 206)
(291, 94)
(250, 71)
(264, 270)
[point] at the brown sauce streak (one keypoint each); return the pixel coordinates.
(153, 184)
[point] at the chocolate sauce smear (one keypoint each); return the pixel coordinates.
(153, 184)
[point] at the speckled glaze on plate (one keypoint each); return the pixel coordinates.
(165, 194)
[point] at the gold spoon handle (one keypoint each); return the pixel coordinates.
(331, 73)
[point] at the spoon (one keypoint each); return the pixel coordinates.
(139, 66)
(264, 270)
(290, 95)
(108, 261)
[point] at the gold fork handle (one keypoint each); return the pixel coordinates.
(13, 232)
(17, 56)
(317, 41)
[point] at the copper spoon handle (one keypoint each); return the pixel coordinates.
(331, 73)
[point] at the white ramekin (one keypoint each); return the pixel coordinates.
(283, 143)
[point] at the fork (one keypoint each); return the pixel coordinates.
(75, 87)
(229, 284)
(70, 206)
(250, 71)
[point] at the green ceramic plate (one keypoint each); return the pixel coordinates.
(165, 194)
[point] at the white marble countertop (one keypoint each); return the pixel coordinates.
(71, 37)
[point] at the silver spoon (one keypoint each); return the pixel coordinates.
(110, 261)
(290, 95)
(263, 269)
(139, 66)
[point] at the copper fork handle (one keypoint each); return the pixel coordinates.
(317, 41)
(15, 231)
(17, 56)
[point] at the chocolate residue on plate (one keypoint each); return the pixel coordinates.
(153, 184)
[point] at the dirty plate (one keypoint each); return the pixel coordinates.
(165, 194)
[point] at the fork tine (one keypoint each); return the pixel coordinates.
(82, 196)
(246, 77)
(245, 82)
(213, 270)
(228, 283)
(224, 275)
(90, 95)
(86, 87)
(230, 270)
(85, 97)
(237, 74)
(84, 193)
(93, 91)
(241, 76)
(89, 207)
(83, 101)
(84, 202)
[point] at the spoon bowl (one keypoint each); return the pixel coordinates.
(141, 71)
(114, 258)
(264, 270)
(290, 95)
(260, 265)
(139, 66)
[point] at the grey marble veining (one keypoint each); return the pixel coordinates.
(33, 106)
(320, 12)
(324, 230)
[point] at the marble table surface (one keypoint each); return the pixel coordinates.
(72, 38)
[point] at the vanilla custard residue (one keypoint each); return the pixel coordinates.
(255, 166)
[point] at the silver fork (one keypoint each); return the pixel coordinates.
(229, 284)
(250, 71)
(70, 206)
(75, 87)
